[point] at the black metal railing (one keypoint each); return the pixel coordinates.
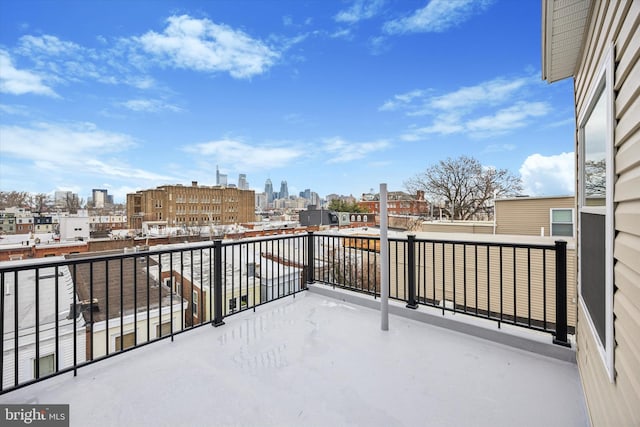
(519, 284)
(62, 314)
(59, 315)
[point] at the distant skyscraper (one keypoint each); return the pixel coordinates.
(60, 198)
(284, 190)
(100, 198)
(221, 178)
(242, 182)
(268, 190)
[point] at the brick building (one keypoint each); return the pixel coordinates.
(398, 203)
(196, 205)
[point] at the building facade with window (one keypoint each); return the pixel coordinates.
(39, 362)
(184, 206)
(536, 216)
(597, 43)
(398, 203)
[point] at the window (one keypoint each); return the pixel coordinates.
(128, 339)
(232, 305)
(194, 304)
(46, 365)
(163, 330)
(244, 301)
(595, 205)
(562, 222)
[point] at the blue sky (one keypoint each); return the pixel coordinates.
(336, 96)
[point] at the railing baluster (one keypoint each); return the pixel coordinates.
(561, 294)
(2, 323)
(217, 283)
(57, 325)
(515, 289)
(106, 303)
(411, 271)
(16, 328)
(121, 304)
(501, 290)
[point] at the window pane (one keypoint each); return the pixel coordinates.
(562, 229)
(561, 215)
(595, 131)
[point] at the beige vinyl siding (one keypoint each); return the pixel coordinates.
(529, 287)
(528, 215)
(617, 403)
(458, 227)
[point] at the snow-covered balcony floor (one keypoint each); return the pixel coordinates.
(314, 360)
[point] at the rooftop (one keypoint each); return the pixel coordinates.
(317, 360)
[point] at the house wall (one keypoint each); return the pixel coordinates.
(528, 215)
(99, 340)
(474, 227)
(617, 403)
(47, 345)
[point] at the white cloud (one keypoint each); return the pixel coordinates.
(436, 16)
(17, 110)
(20, 82)
(241, 156)
(548, 175)
(507, 119)
(402, 100)
(202, 45)
(345, 151)
(489, 108)
(150, 106)
(490, 92)
(61, 150)
(497, 148)
(359, 11)
(49, 45)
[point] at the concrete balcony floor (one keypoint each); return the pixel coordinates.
(314, 360)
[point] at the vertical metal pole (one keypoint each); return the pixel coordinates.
(561, 294)
(411, 273)
(384, 260)
(310, 258)
(217, 283)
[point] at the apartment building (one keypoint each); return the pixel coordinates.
(398, 203)
(184, 206)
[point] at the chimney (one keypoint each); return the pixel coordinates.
(194, 183)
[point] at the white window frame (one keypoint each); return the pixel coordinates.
(604, 84)
(551, 222)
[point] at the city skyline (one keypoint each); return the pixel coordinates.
(333, 96)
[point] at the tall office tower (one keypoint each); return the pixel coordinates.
(242, 182)
(221, 178)
(61, 197)
(284, 190)
(100, 198)
(268, 190)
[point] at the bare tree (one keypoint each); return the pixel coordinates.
(40, 202)
(72, 203)
(464, 185)
(11, 199)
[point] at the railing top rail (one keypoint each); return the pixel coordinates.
(82, 258)
(518, 245)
